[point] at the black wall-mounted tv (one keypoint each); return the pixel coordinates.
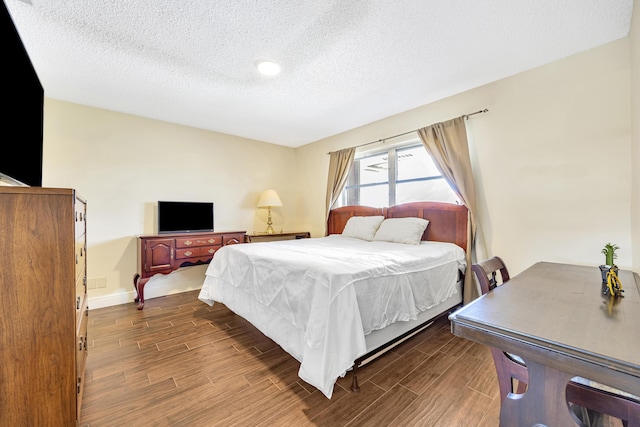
(184, 217)
(21, 153)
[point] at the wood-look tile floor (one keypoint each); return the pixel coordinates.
(180, 362)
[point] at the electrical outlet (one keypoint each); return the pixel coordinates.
(91, 283)
(101, 282)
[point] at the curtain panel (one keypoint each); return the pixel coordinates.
(447, 144)
(339, 165)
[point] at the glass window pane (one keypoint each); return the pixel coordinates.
(434, 190)
(374, 169)
(415, 162)
(376, 196)
(352, 196)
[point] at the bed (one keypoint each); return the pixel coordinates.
(335, 302)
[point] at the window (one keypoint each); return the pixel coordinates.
(394, 176)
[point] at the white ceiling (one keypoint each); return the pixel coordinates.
(345, 63)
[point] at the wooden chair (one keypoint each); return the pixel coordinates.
(589, 396)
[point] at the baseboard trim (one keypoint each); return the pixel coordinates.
(183, 280)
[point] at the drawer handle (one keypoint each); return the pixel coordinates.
(188, 253)
(212, 240)
(188, 242)
(211, 251)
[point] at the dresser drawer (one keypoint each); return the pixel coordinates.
(189, 242)
(80, 255)
(81, 356)
(80, 220)
(80, 300)
(196, 252)
(209, 250)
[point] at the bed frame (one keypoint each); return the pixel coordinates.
(447, 223)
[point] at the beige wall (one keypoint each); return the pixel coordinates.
(551, 158)
(124, 164)
(635, 133)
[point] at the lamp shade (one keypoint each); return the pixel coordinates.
(269, 198)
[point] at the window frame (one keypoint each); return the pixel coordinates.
(392, 180)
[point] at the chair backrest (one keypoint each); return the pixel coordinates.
(508, 367)
(486, 273)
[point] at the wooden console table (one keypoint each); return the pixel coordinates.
(164, 253)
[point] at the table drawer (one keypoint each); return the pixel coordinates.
(189, 242)
(197, 252)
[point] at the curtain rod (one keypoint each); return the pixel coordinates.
(466, 117)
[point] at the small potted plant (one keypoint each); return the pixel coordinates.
(609, 252)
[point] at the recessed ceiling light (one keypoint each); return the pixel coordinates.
(268, 68)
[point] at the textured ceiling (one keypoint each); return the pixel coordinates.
(345, 63)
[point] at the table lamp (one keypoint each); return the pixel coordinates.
(268, 199)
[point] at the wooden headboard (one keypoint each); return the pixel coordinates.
(447, 221)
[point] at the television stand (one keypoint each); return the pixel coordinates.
(165, 253)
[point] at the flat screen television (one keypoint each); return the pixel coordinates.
(21, 152)
(184, 217)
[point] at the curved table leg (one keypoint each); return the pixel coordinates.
(544, 404)
(138, 284)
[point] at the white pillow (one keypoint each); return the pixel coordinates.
(362, 227)
(402, 230)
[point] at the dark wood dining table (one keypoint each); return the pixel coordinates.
(556, 318)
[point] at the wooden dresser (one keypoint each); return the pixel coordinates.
(164, 253)
(44, 314)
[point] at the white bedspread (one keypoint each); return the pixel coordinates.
(317, 298)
